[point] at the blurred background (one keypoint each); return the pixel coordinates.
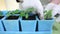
(12, 4)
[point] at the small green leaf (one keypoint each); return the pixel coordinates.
(25, 13)
(26, 16)
(48, 14)
(8, 14)
(16, 11)
(22, 13)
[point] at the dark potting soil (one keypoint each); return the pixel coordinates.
(12, 17)
(38, 16)
(1, 17)
(49, 18)
(29, 18)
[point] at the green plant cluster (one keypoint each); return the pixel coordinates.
(22, 13)
(47, 14)
(26, 12)
(13, 12)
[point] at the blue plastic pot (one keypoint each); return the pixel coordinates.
(11, 25)
(45, 25)
(1, 26)
(28, 25)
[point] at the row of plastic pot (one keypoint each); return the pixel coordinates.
(16, 23)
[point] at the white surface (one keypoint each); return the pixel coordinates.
(50, 6)
(11, 4)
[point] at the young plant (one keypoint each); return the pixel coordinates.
(8, 14)
(16, 11)
(25, 13)
(48, 14)
(13, 12)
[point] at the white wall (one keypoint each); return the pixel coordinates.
(11, 4)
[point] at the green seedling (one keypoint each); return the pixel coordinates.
(25, 13)
(48, 14)
(8, 14)
(13, 12)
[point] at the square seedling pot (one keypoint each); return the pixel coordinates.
(45, 25)
(11, 23)
(1, 25)
(28, 25)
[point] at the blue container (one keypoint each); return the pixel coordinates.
(11, 25)
(28, 25)
(1, 26)
(45, 25)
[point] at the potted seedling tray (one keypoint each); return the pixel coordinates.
(28, 20)
(47, 23)
(28, 24)
(11, 23)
